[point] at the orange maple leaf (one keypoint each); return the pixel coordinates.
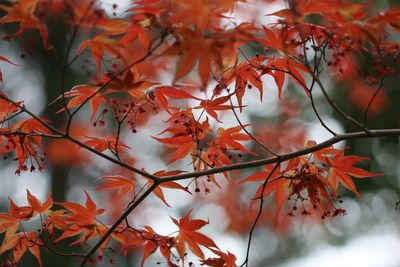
(6, 107)
(8, 224)
(81, 215)
(98, 45)
(122, 184)
(341, 168)
(20, 243)
(184, 144)
(210, 106)
(153, 241)
(188, 235)
(26, 146)
(171, 185)
(81, 93)
(224, 260)
(23, 12)
(38, 206)
(228, 139)
(130, 81)
(161, 93)
(80, 220)
(104, 143)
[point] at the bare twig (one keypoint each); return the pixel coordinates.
(372, 100)
(250, 134)
(246, 261)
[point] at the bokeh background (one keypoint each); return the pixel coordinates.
(368, 236)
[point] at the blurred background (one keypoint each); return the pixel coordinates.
(368, 236)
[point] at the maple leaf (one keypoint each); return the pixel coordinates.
(161, 93)
(20, 243)
(83, 216)
(81, 93)
(7, 107)
(281, 66)
(23, 13)
(245, 76)
(130, 82)
(98, 45)
(390, 17)
(299, 9)
(210, 106)
(122, 184)
(196, 48)
(171, 185)
(208, 13)
(36, 205)
(103, 143)
(80, 220)
(278, 40)
(228, 139)
(188, 235)
(26, 145)
(21, 213)
(212, 157)
(184, 144)
(341, 168)
(137, 32)
(224, 260)
(276, 185)
(215, 50)
(8, 224)
(154, 241)
(184, 124)
(128, 238)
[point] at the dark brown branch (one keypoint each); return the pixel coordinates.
(76, 141)
(260, 162)
(31, 134)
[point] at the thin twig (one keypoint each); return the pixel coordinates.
(336, 107)
(250, 134)
(371, 101)
(67, 64)
(318, 116)
(8, 118)
(246, 262)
